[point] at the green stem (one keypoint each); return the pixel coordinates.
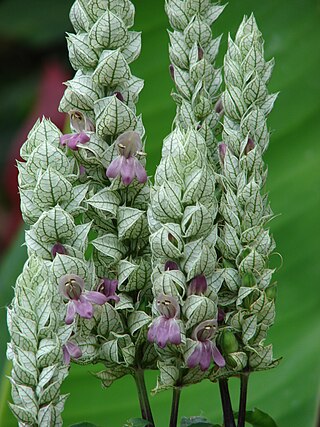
(143, 396)
(244, 378)
(226, 403)
(175, 406)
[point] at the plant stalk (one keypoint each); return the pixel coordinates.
(146, 412)
(175, 406)
(244, 378)
(226, 403)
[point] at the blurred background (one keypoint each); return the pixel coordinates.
(34, 64)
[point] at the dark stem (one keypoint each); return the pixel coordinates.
(244, 378)
(146, 413)
(226, 403)
(175, 406)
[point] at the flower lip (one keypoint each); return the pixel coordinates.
(71, 286)
(168, 306)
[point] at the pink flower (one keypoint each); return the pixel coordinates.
(126, 164)
(72, 140)
(70, 349)
(205, 349)
(71, 287)
(171, 265)
(198, 285)
(108, 288)
(222, 151)
(165, 328)
(58, 248)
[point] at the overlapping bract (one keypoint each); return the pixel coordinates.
(181, 217)
(192, 52)
(38, 335)
(245, 243)
(83, 224)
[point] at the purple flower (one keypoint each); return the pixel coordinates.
(198, 285)
(205, 349)
(108, 288)
(82, 170)
(80, 122)
(171, 265)
(200, 53)
(250, 146)
(58, 248)
(71, 287)
(70, 349)
(119, 96)
(219, 106)
(171, 71)
(72, 140)
(126, 164)
(222, 151)
(165, 328)
(221, 315)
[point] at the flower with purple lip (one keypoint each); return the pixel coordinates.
(80, 123)
(71, 287)
(165, 328)
(250, 146)
(126, 164)
(70, 349)
(205, 350)
(198, 285)
(108, 288)
(72, 140)
(171, 265)
(222, 151)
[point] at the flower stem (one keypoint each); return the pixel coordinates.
(226, 403)
(244, 378)
(146, 413)
(175, 406)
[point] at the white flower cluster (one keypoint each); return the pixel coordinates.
(172, 277)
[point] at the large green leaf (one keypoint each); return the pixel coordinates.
(292, 32)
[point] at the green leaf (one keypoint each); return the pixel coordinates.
(136, 422)
(258, 418)
(196, 422)
(84, 424)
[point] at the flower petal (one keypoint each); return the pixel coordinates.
(95, 297)
(73, 141)
(66, 355)
(205, 358)
(140, 172)
(84, 308)
(114, 168)
(65, 138)
(128, 170)
(174, 334)
(73, 349)
(217, 356)
(194, 358)
(71, 311)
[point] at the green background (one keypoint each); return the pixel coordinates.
(291, 29)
